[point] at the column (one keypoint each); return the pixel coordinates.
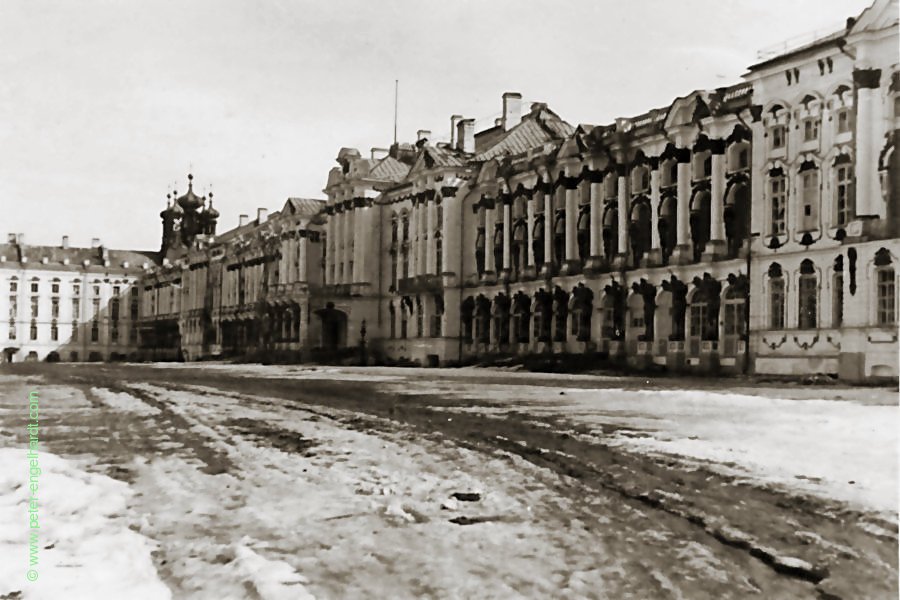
(529, 225)
(596, 219)
(716, 245)
(683, 251)
(348, 242)
(329, 240)
(489, 226)
(655, 256)
(622, 258)
(451, 234)
(303, 240)
(572, 259)
(507, 231)
(422, 260)
(430, 247)
(868, 197)
(549, 217)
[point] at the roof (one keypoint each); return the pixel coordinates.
(304, 206)
(538, 127)
(389, 169)
(55, 256)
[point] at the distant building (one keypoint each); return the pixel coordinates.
(66, 303)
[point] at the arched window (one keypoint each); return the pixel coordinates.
(521, 317)
(405, 306)
(497, 246)
(543, 304)
(482, 320)
(886, 290)
(700, 222)
(561, 314)
(776, 297)
(810, 198)
(501, 318)
(737, 217)
(584, 233)
(777, 189)
(668, 232)
(640, 229)
(844, 190)
(467, 311)
(438, 252)
(735, 320)
(519, 249)
(538, 243)
(420, 318)
(479, 251)
(807, 291)
(582, 310)
(559, 239)
(611, 232)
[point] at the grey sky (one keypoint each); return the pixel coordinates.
(104, 104)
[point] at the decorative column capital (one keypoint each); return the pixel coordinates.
(867, 78)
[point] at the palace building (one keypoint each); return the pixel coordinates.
(67, 303)
(753, 228)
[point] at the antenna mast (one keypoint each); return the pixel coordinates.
(396, 93)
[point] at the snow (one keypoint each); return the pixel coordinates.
(86, 547)
(837, 449)
(124, 402)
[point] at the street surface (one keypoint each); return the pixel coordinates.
(249, 481)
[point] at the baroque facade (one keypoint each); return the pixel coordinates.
(751, 228)
(67, 303)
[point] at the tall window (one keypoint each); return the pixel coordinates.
(776, 297)
(13, 286)
(809, 216)
(807, 292)
(54, 332)
(837, 300)
(12, 329)
(887, 296)
(54, 308)
(778, 201)
(845, 199)
(810, 130)
(778, 134)
(34, 307)
(843, 120)
(886, 291)
(34, 330)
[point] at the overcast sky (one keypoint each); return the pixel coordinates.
(105, 104)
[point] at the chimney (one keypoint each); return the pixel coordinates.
(423, 134)
(242, 220)
(465, 135)
(453, 121)
(11, 238)
(95, 242)
(379, 153)
(21, 239)
(261, 215)
(65, 242)
(512, 110)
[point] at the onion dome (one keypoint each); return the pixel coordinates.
(171, 210)
(190, 201)
(210, 212)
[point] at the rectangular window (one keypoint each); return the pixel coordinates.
(54, 308)
(843, 121)
(76, 289)
(34, 288)
(887, 297)
(778, 193)
(776, 303)
(12, 330)
(807, 318)
(810, 130)
(13, 307)
(34, 307)
(845, 200)
(74, 331)
(54, 288)
(95, 331)
(54, 332)
(13, 287)
(778, 136)
(809, 181)
(33, 331)
(76, 308)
